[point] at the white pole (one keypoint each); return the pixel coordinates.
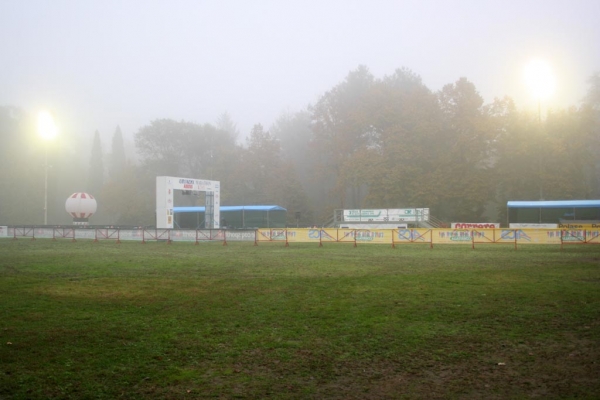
(46, 187)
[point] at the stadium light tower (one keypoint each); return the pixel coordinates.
(47, 130)
(541, 83)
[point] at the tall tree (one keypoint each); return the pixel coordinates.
(407, 120)
(96, 170)
(592, 97)
(342, 126)
(265, 178)
(168, 147)
(569, 160)
(260, 161)
(125, 200)
(555, 159)
(279, 179)
(590, 117)
(117, 161)
(226, 124)
(463, 174)
(293, 131)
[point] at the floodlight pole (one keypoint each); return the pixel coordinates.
(47, 131)
(46, 186)
(540, 166)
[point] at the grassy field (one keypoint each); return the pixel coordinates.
(104, 320)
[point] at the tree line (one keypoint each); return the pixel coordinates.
(368, 142)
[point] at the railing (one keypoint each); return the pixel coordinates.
(318, 236)
(329, 223)
(430, 236)
(142, 235)
(438, 222)
(419, 236)
(579, 236)
(433, 222)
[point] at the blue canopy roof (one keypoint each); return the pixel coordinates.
(229, 208)
(554, 204)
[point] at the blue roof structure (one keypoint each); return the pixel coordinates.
(228, 208)
(554, 204)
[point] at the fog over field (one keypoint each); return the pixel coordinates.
(99, 64)
(226, 84)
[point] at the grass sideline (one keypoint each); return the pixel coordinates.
(139, 321)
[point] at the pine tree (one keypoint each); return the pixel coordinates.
(96, 172)
(225, 123)
(117, 156)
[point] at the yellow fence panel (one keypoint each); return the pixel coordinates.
(452, 236)
(373, 236)
(404, 236)
(431, 236)
(580, 236)
(336, 235)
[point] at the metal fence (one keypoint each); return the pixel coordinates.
(286, 236)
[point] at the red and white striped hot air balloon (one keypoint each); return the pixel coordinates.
(81, 206)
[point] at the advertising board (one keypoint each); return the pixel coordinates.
(475, 225)
(387, 215)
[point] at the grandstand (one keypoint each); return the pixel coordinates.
(233, 217)
(564, 212)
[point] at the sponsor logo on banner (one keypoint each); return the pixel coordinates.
(572, 235)
(387, 215)
(475, 225)
(515, 234)
(202, 185)
(359, 214)
(579, 226)
(363, 225)
(456, 236)
(275, 234)
(233, 235)
(363, 235)
(533, 226)
(409, 235)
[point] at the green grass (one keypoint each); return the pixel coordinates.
(104, 320)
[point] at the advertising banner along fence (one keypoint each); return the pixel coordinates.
(430, 236)
(391, 237)
(386, 215)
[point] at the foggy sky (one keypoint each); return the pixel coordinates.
(99, 64)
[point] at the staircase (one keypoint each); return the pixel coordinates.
(432, 223)
(330, 223)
